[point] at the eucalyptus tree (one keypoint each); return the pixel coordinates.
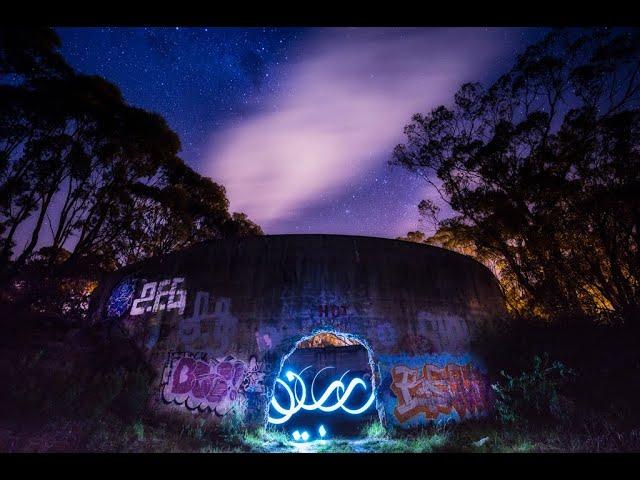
(543, 171)
(83, 171)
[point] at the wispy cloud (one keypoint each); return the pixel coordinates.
(342, 108)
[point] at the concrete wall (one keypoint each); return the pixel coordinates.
(216, 321)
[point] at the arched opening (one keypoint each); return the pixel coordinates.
(326, 387)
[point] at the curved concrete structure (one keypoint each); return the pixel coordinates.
(217, 321)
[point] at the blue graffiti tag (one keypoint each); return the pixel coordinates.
(121, 298)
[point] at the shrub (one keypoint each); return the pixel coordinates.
(374, 430)
(535, 392)
(104, 388)
(138, 430)
(232, 424)
(199, 429)
(135, 393)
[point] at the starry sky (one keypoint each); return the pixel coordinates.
(299, 124)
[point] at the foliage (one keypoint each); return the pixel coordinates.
(95, 180)
(264, 440)
(138, 430)
(532, 394)
(104, 389)
(197, 430)
(112, 168)
(543, 169)
(133, 397)
(374, 430)
(423, 442)
(232, 424)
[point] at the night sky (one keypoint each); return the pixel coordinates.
(298, 124)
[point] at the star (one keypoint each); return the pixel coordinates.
(212, 82)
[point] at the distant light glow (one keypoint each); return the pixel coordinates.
(298, 402)
(305, 436)
(296, 435)
(322, 431)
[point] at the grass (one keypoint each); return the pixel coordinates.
(109, 429)
(112, 433)
(138, 429)
(107, 409)
(266, 440)
(374, 430)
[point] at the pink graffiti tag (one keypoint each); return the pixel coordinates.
(202, 385)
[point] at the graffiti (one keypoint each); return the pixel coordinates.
(267, 337)
(386, 334)
(145, 334)
(215, 385)
(254, 377)
(297, 403)
(264, 341)
(153, 333)
(254, 390)
(208, 327)
(158, 296)
(442, 332)
(452, 390)
(121, 298)
(327, 311)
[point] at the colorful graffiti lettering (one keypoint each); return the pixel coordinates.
(215, 385)
(435, 391)
(158, 296)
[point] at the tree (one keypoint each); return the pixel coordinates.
(543, 170)
(86, 174)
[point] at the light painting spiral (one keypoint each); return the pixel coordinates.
(298, 401)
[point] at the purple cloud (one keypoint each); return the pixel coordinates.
(340, 112)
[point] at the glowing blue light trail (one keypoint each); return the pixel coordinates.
(297, 401)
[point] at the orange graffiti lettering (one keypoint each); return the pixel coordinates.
(433, 390)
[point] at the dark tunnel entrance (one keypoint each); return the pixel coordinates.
(325, 389)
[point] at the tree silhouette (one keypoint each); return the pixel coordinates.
(97, 181)
(543, 170)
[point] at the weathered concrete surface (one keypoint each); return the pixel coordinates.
(215, 321)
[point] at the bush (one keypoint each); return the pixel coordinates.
(132, 401)
(198, 430)
(374, 430)
(232, 424)
(138, 430)
(103, 389)
(534, 393)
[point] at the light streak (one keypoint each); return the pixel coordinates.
(298, 396)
